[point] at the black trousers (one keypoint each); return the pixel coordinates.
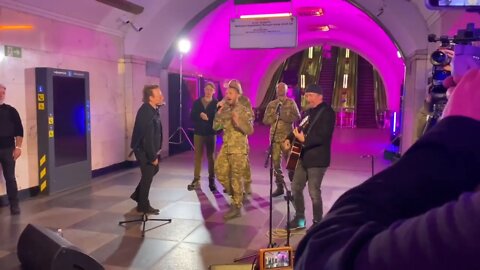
(148, 171)
(8, 167)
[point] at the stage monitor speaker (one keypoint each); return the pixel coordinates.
(42, 249)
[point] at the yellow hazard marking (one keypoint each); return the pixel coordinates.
(43, 186)
(43, 173)
(43, 160)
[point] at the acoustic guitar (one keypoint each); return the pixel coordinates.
(296, 149)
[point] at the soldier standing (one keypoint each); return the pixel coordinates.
(247, 175)
(236, 122)
(288, 113)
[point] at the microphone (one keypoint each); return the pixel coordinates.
(277, 110)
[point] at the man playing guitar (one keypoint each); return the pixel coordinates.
(314, 157)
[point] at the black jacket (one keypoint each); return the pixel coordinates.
(147, 133)
(318, 140)
(11, 126)
(202, 127)
(422, 212)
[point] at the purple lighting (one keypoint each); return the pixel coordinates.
(212, 57)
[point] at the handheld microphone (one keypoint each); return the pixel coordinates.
(277, 110)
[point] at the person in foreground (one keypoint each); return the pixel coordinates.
(236, 122)
(11, 138)
(146, 144)
(423, 212)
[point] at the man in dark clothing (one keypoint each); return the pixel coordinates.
(11, 138)
(202, 114)
(146, 144)
(316, 138)
(423, 212)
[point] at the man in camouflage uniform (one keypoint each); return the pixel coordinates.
(236, 122)
(245, 101)
(288, 113)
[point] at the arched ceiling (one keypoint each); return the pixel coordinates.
(164, 20)
(212, 57)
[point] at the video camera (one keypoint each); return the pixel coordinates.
(466, 57)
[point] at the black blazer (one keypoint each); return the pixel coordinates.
(147, 133)
(202, 127)
(317, 146)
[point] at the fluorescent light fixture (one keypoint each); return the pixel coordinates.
(184, 45)
(394, 127)
(272, 15)
(16, 27)
(345, 81)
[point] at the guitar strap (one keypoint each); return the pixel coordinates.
(314, 120)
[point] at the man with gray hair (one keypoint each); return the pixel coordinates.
(11, 138)
(287, 111)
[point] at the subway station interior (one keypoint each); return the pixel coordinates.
(371, 58)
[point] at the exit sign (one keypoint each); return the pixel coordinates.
(13, 51)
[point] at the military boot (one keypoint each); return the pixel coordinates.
(211, 185)
(233, 212)
(194, 185)
(279, 191)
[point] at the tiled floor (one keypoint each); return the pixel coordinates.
(197, 237)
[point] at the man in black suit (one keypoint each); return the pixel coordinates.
(316, 138)
(146, 144)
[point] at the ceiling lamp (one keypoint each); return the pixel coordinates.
(310, 11)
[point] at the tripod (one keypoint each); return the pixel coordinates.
(180, 129)
(144, 219)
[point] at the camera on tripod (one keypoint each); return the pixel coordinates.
(466, 56)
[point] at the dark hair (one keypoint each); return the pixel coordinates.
(148, 92)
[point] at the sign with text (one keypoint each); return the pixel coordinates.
(13, 51)
(263, 33)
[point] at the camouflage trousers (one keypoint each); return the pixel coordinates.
(247, 174)
(230, 171)
(277, 155)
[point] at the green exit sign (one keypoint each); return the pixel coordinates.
(13, 51)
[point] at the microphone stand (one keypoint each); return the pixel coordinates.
(288, 197)
(270, 157)
(267, 159)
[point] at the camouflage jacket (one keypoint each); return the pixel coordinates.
(245, 101)
(288, 114)
(234, 137)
